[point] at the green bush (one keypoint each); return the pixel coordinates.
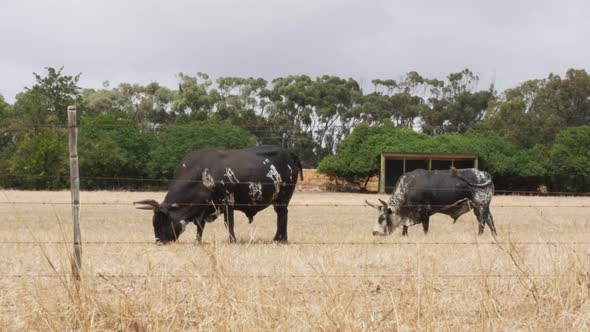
(358, 155)
(570, 159)
(112, 145)
(41, 162)
(173, 143)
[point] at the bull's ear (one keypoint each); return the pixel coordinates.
(389, 211)
(149, 204)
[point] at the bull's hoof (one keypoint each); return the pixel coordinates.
(280, 240)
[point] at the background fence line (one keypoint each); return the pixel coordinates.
(260, 127)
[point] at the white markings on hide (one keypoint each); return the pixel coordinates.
(480, 176)
(291, 171)
(217, 210)
(230, 175)
(255, 191)
(380, 223)
(266, 161)
(274, 175)
(208, 179)
(483, 196)
(399, 194)
(184, 165)
(229, 198)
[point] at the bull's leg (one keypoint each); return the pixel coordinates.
(282, 213)
(200, 227)
(425, 219)
(487, 216)
(405, 231)
(478, 213)
(228, 219)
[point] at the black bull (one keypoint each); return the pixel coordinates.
(419, 194)
(210, 182)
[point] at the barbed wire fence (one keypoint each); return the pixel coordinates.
(77, 242)
(311, 243)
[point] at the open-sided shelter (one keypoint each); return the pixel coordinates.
(394, 164)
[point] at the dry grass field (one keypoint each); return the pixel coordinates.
(333, 275)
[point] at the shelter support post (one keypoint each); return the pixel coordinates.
(382, 175)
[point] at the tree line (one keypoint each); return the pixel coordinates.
(142, 131)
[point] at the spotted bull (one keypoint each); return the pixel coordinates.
(419, 194)
(210, 182)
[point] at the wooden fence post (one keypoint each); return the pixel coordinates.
(75, 190)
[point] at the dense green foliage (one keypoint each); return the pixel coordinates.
(41, 161)
(565, 165)
(538, 129)
(171, 144)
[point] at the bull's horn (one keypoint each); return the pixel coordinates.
(144, 208)
(152, 205)
(382, 202)
(371, 205)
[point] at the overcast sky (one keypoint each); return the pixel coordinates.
(138, 41)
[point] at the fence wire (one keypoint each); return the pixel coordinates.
(279, 276)
(429, 243)
(290, 276)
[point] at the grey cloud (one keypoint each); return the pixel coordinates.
(142, 41)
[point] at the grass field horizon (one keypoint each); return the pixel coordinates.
(333, 274)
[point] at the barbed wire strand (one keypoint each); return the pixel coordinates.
(303, 243)
(278, 276)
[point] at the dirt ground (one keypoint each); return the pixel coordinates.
(333, 274)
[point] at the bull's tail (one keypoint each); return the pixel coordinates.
(297, 162)
(300, 168)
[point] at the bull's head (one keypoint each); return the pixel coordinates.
(166, 229)
(386, 221)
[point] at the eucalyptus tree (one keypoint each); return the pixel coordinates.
(454, 105)
(195, 98)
